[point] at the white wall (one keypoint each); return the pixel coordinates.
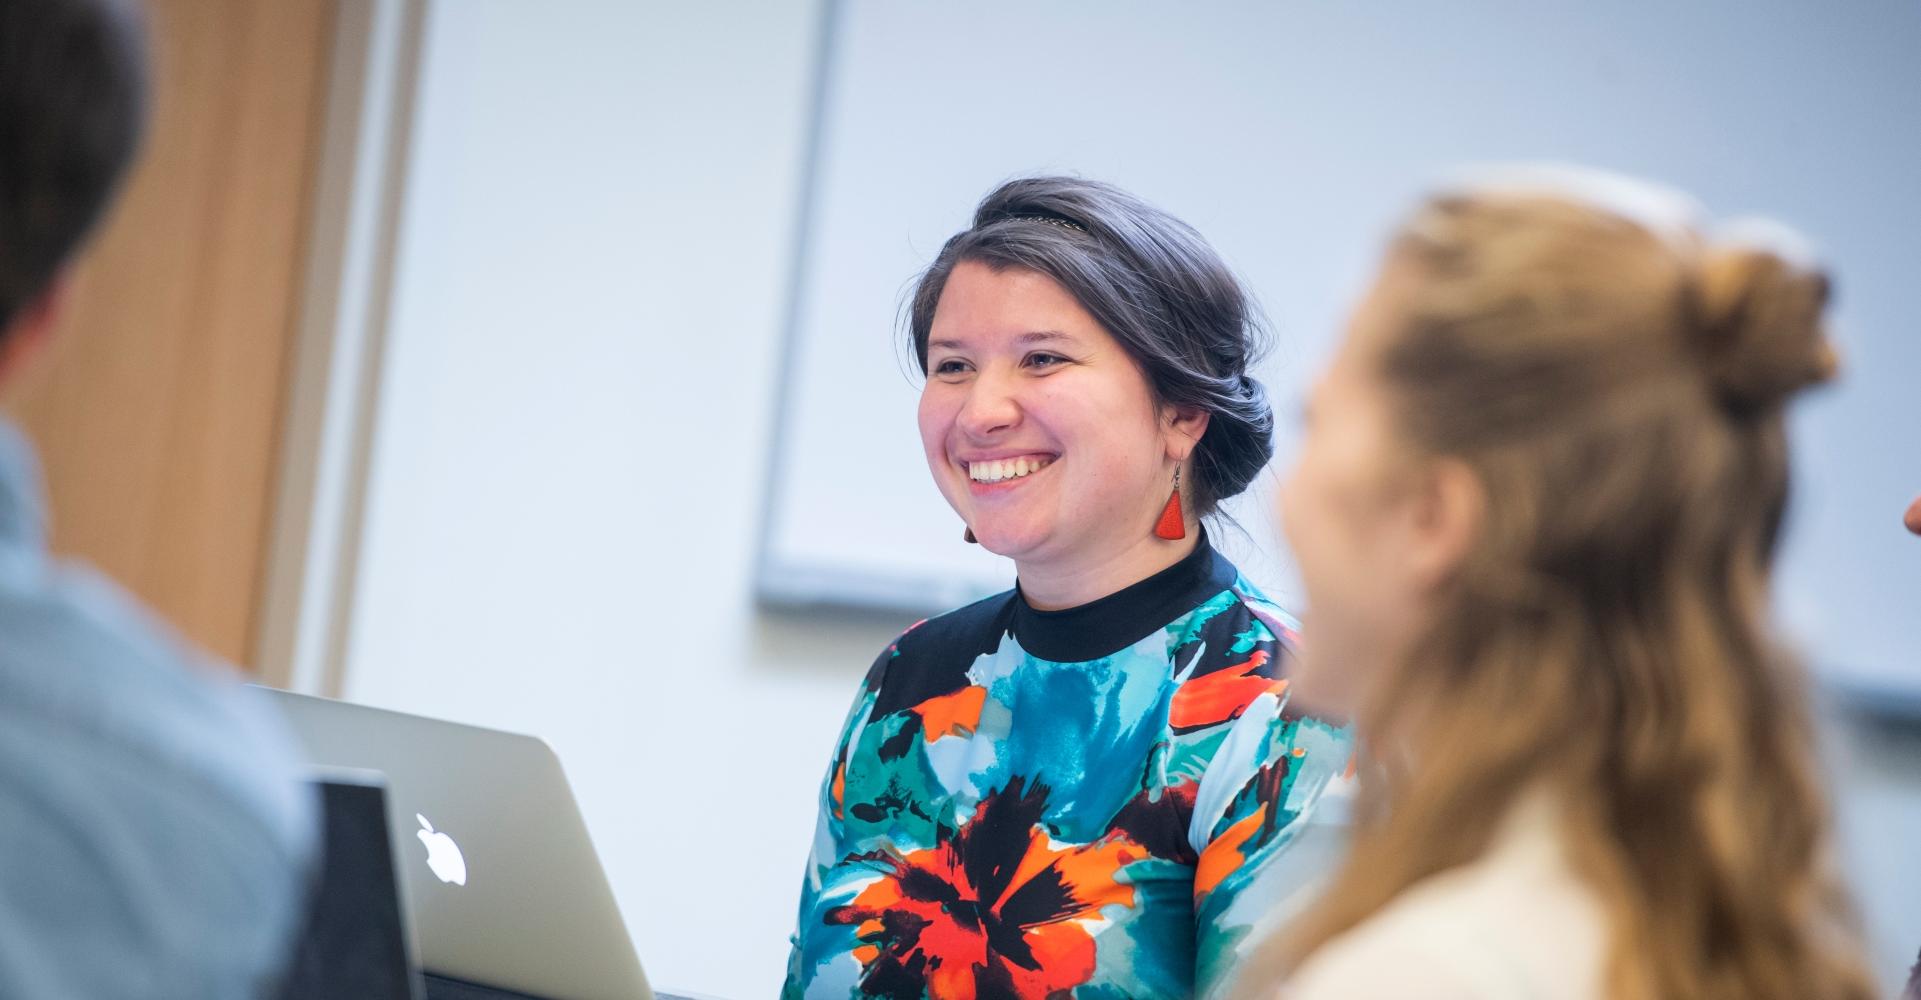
(1290, 133)
(570, 449)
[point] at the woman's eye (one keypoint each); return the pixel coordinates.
(1045, 360)
(950, 367)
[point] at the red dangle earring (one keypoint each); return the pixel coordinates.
(1172, 526)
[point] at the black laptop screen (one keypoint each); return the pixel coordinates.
(355, 943)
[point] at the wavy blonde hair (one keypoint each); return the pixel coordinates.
(1617, 386)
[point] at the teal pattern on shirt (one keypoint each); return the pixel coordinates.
(1086, 803)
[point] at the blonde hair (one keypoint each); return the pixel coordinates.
(1617, 386)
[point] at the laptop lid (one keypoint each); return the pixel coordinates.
(498, 870)
(355, 941)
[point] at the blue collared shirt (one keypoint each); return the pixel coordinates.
(155, 835)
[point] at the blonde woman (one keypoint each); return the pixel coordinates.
(1534, 513)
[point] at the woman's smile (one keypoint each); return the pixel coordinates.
(991, 476)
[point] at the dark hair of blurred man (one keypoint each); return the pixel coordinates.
(154, 837)
(72, 104)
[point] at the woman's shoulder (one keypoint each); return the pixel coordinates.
(1516, 924)
(1233, 648)
(931, 657)
(1237, 608)
(1251, 602)
(969, 630)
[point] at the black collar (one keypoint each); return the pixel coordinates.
(1110, 624)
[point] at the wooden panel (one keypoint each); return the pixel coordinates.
(158, 409)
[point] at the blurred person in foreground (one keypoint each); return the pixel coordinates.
(154, 835)
(1535, 513)
(1091, 784)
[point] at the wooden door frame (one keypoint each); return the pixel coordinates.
(306, 607)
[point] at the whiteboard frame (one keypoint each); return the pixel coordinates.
(797, 586)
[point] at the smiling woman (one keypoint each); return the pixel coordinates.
(1081, 785)
(1003, 404)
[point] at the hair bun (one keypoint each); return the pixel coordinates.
(1240, 437)
(1760, 333)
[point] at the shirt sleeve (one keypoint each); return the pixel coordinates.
(1260, 854)
(156, 829)
(821, 953)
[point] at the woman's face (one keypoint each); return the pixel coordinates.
(1361, 515)
(1040, 429)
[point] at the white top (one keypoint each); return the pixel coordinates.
(1516, 924)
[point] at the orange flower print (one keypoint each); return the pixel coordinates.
(994, 909)
(1222, 695)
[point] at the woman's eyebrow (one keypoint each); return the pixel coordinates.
(1024, 340)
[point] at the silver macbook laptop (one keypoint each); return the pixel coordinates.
(496, 866)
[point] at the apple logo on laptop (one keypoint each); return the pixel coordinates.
(443, 855)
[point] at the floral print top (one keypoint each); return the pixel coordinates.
(1081, 803)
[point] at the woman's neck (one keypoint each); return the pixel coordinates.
(1055, 586)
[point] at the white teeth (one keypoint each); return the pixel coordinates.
(1002, 469)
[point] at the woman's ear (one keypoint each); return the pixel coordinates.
(1450, 510)
(1183, 426)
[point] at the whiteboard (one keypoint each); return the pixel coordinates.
(1292, 135)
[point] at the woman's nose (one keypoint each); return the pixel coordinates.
(991, 407)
